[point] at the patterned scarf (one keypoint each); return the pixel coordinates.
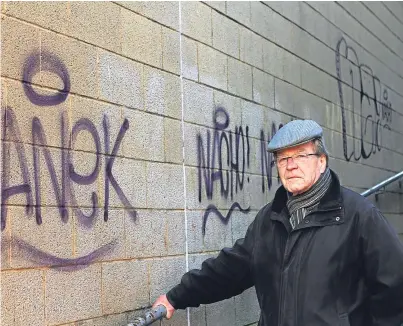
(300, 205)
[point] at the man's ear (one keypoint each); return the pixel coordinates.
(322, 161)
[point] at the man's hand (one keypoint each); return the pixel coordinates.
(162, 300)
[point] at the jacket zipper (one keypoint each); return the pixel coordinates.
(281, 310)
(280, 306)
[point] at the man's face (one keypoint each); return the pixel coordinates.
(300, 171)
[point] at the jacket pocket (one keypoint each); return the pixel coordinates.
(343, 320)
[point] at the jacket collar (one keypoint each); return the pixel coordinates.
(332, 198)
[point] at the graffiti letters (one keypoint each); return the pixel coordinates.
(62, 189)
(361, 92)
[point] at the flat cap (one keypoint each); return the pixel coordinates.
(295, 133)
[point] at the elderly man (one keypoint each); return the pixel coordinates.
(318, 254)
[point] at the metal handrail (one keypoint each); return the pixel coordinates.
(150, 316)
(384, 183)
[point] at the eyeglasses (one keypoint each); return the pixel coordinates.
(297, 159)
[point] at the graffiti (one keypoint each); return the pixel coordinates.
(31, 185)
(375, 109)
(35, 255)
(222, 159)
(68, 175)
(267, 159)
(45, 61)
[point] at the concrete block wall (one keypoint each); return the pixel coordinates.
(130, 129)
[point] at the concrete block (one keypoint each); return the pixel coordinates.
(145, 137)
(164, 12)
(240, 223)
(239, 78)
(255, 198)
(53, 16)
(96, 112)
(240, 11)
(173, 140)
(196, 260)
(18, 42)
(162, 93)
(14, 171)
(262, 20)
(291, 68)
(191, 145)
(290, 10)
(196, 21)
(130, 175)
(84, 164)
(5, 248)
(222, 312)
(225, 35)
(90, 235)
(192, 190)
(165, 273)
(142, 38)
(74, 295)
(164, 186)
(231, 105)
(120, 80)
(39, 245)
(217, 236)
(155, 233)
(24, 111)
(96, 23)
(251, 48)
(218, 5)
(190, 67)
(315, 23)
(212, 67)
(395, 8)
(198, 103)
(46, 184)
(79, 59)
(247, 309)
(22, 300)
(111, 320)
(125, 286)
(170, 51)
(385, 16)
(254, 117)
(315, 81)
(263, 88)
(272, 56)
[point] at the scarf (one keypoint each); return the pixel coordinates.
(300, 205)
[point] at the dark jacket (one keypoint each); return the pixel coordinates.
(342, 266)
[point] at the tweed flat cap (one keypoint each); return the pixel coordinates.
(295, 133)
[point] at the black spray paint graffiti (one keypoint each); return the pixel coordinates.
(214, 166)
(63, 190)
(375, 108)
(224, 157)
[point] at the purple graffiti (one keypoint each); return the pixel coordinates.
(236, 156)
(85, 125)
(35, 255)
(62, 188)
(109, 160)
(12, 136)
(45, 61)
(212, 209)
(267, 159)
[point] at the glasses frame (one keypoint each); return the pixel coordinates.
(294, 157)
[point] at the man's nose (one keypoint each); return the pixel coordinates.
(291, 165)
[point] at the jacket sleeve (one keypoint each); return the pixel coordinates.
(219, 278)
(383, 264)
